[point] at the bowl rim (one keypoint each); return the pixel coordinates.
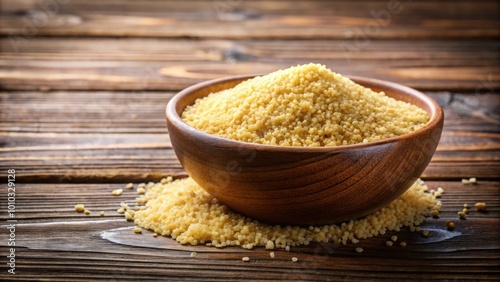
(436, 116)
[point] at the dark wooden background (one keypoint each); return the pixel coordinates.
(84, 84)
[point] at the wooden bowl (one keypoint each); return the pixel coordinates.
(304, 185)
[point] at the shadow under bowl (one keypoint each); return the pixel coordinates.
(304, 185)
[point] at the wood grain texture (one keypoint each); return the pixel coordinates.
(96, 138)
(54, 242)
(253, 19)
(111, 136)
(161, 64)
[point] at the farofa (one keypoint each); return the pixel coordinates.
(306, 105)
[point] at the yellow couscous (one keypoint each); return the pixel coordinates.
(306, 105)
(79, 208)
(480, 206)
(184, 211)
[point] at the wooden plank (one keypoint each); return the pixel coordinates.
(251, 19)
(159, 64)
(55, 242)
(143, 112)
(116, 136)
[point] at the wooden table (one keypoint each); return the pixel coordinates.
(84, 85)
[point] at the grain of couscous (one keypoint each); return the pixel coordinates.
(471, 180)
(461, 214)
(270, 245)
(434, 213)
(79, 208)
(117, 192)
(480, 206)
(306, 105)
(449, 224)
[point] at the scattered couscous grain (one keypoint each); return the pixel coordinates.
(394, 238)
(471, 180)
(117, 192)
(182, 210)
(389, 243)
(425, 233)
(137, 230)
(306, 105)
(129, 216)
(461, 214)
(294, 259)
(129, 186)
(359, 249)
(87, 212)
(155, 234)
(101, 213)
(141, 190)
(79, 208)
(434, 213)
(245, 258)
(271, 254)
(450, 225)
(466, 206)
(439, 192)
(193, 254)
(480, 206)
(466, 211)
(120, 210)
(402, 244)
